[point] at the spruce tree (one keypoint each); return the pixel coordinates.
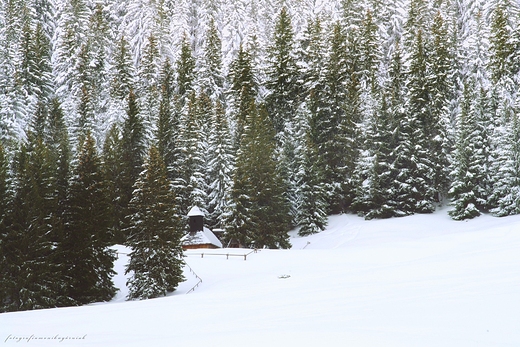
(466, 174)
(259, 213)
(440, 80)
(31, 277)
(220, 167)
(212, 79)
(416, 193)
(122, 72)
(88, 260)
(311, 196)
(132, 150)
(155, 231)
(336, 114)
(112, 169)
(283, 75)
(243, 90)
(506, 167)
(167, 129)
(185, 70)
(193, 188)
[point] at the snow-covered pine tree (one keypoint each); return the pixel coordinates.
(192, 187)
(243, 90)
(87, 261)
(334, 123)
(185, 67)
(501, 45)
(167, 128)
(415, 192)
(148, 74)
(374, 126)
(283, 94)
(121, 80)
(375, 198)
(311, 204)
(283, 74)
(467, 171)
(132, 150)
(440, 62)
(506, 167)
(155, 231)
(220, 167)
(31, 276)
(211, 78)
(112, 169)
(122, 70)
(259, 213)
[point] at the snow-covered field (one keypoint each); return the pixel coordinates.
(422, 281)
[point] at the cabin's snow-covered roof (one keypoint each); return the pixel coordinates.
(201, 238)
(195, 211)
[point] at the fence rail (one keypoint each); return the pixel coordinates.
(227, 255)
(196, 276)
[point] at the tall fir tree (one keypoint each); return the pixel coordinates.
(112, 170)
(259, 213)
(442, 93)
(467, 173)
(31, 277)
(220, 167)
(415, 192)
(185, 67)
(283, 74)
(155, 230)
(88, 260)
(242, 91)
(506, 167)
(311, 196)
(132, 150)
(212, 79)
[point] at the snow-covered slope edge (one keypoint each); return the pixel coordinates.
(417, 281)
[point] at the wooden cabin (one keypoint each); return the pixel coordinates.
(199, 236)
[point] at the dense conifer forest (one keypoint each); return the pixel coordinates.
(118, 116)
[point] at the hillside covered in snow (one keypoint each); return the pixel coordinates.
(414, 281)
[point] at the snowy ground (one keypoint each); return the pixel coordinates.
(417, 281)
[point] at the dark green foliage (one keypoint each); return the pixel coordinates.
(155, 231)
(87, 260)
(220, 167)
(243, 90)
(112, 169)
(312, 197)
(501, 46)
(5, 203)
(122, 74)
(335, 115)
(185, 70)
(132, 150)
(467, 173)
(212, 80)
(30, 276)
(259, 212)
(415, 191)
(283, 75)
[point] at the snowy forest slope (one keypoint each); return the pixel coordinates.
(404, 103)
(420, 280)
(116, 117)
